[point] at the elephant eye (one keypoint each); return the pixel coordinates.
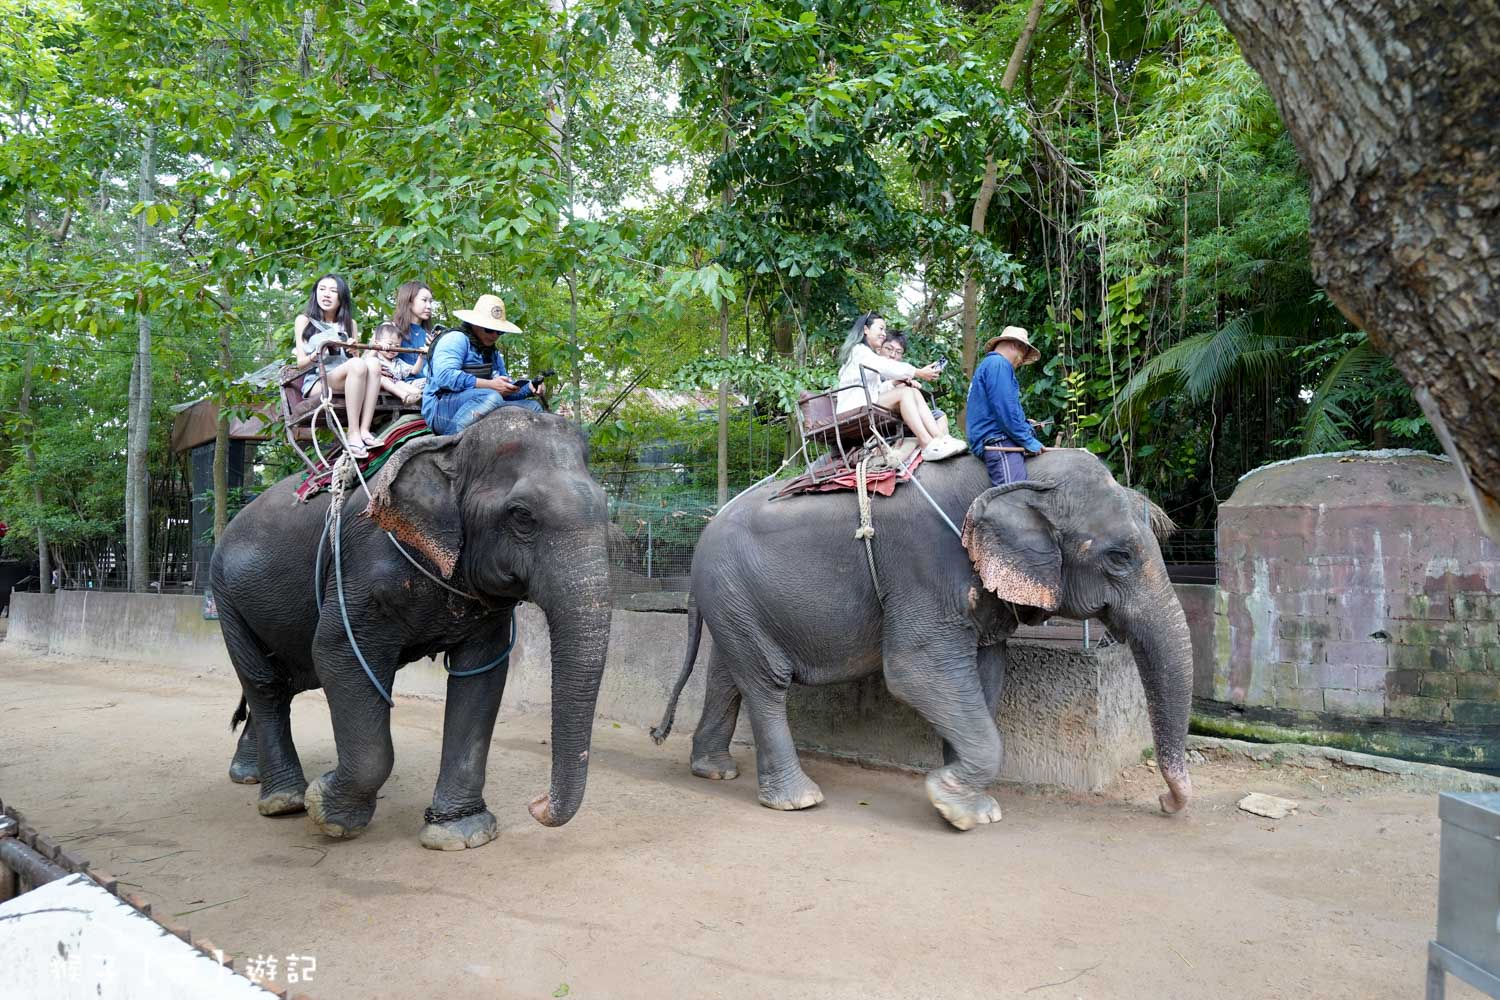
(518, 518)
(1119, 559)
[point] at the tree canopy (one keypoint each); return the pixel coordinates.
(667, 193)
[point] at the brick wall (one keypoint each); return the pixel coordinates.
(1357, 587)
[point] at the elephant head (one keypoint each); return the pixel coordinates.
(507, 510)
(1075, 542)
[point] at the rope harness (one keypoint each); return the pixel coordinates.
(345, 472)
(866, 529)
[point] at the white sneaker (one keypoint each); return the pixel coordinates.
(944, 447)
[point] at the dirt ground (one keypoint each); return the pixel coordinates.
(666, 885)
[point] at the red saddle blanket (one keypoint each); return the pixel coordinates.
(317, 480)
(830, 474)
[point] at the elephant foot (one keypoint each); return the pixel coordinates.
(716, 766)
(282, 803)
(799, 793)
(243, 773)
(959, 806)
(474, 830)
(332, 818)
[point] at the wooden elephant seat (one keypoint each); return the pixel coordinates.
(299, 412)
(843, 434)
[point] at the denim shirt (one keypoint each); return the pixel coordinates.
(414, 338)
(446, 373)
(995, 406)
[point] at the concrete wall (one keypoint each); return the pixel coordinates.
(1199, 601)
(1069, 716)
(1357, 587)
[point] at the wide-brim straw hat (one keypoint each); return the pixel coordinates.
(1019, 336)
(489, 313)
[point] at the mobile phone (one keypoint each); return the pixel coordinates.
(941, 364)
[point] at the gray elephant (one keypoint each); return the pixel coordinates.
(503, 512)
(785, 590)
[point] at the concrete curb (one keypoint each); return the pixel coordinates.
(1417, 777)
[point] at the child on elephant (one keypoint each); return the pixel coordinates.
(397, 375)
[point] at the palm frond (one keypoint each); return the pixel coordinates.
(1325, 414)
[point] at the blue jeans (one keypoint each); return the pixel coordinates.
(452, 412)
(1004, 466)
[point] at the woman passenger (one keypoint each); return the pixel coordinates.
(413, 317)
(329, 318)
(862, 368)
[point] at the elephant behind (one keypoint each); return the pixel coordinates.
(785, 589)
(503, 512)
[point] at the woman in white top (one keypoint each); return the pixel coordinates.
(861, 364)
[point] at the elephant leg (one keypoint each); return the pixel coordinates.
(244, 769)
(458, 817)
(992, 664)
(721, 710)
(268, 730)
(782, 782)
(942, 682)
(342, 801)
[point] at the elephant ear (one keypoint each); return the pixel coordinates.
(1012, 546)
(415, 497)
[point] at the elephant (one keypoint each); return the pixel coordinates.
(784, 588)
(502, 512)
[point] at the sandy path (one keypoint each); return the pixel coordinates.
(669, 886)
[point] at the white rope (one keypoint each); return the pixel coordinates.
(866, 529)
(801, 450)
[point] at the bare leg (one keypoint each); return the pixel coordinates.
(901, 401)
(372, 392)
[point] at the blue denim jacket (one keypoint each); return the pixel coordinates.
(448, 385)
(995, 406)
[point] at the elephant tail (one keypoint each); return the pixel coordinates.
(695, 635)
(240, 715)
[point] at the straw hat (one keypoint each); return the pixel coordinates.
(1019, 336)
(489, 313)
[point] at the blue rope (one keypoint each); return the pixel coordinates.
(504, 654)
(338, 572)
(338, 576)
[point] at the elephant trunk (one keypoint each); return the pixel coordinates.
(577, 604)
(1156, 628)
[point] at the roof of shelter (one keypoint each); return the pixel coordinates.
(1353, 479)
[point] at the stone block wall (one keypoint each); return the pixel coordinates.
(1357, 588)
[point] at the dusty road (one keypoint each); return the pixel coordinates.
(668, 886)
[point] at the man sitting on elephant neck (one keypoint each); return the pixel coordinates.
(995, 421)
(467, 374)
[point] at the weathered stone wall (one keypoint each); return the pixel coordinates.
(1359, 587)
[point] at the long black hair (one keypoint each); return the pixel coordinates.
(345, 315)
(857, 335)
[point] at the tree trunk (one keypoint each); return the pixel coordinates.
(221, 442)
(970, 321)
(723, 449)
(23, 410)
(137, 453)
(1392, 106)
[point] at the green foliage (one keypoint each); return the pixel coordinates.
(631, 174)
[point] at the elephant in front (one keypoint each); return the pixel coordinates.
(785, 589)
(503, 512)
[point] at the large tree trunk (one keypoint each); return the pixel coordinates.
(1395, 108)
(23, 410)
(137, 451)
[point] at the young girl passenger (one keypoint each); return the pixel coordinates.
(329, 319)
(397, 375)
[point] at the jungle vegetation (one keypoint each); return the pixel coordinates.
(690, 196)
